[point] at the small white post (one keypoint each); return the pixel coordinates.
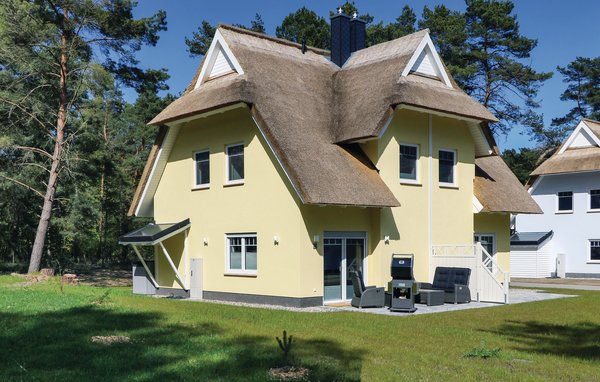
(479, 263)
(177, 275)
(186, 257)
(137, 252)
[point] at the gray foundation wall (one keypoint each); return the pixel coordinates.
(295, 302)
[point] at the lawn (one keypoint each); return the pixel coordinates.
(46, 330)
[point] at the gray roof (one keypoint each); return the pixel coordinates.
(530, 238)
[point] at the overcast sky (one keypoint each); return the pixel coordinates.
(565, 29)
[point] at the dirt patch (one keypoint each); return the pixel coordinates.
(288, 373)
(109, 340)
(28, 280)
(105, 277)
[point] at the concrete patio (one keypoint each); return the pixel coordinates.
(516, 296)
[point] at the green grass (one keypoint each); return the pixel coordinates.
(45, 335)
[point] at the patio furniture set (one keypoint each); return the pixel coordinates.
(450, 285)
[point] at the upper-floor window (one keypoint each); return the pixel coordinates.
(565, 201)
(594, 250)
(409, 159)
(595, 200)
(202, 173)
(447, 163)
(241, 253)
(235, 163)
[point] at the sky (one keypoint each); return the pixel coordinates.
(564, 30)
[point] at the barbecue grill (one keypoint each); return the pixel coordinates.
(403, 288)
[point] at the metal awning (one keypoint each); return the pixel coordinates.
(155, 234)
(529, 238)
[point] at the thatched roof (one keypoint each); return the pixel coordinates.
(573, 159)
(499, 190)
(309, 109)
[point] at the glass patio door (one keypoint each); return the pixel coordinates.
(341, 255)
(487, 241)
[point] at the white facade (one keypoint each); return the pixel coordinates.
(573, 231)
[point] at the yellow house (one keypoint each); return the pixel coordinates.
(282, 166)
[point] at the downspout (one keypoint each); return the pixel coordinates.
(430, 194)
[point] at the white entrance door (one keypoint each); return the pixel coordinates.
(488, 242)
(342, 252)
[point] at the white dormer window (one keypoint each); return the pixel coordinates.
(426, 61)
(581, 137)
(219, 61)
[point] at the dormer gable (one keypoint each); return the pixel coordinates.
(219, 61)
(583, 136)
(425, 61)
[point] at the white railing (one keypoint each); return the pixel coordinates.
(488, 281)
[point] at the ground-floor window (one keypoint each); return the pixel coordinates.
(242, 253)
(594, 250)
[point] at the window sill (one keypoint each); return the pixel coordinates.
(593, 262)
(201, 187)
(593, 211)
(449, 186)
(241, 274)
(234, 183)
(407, 182)
(563, 212)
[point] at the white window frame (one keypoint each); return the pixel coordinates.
(590, 209)
(243, 271)
(558, 211)
(238, 181)
(195, 185)
(589, 256)
(417, 179)
(454, 184)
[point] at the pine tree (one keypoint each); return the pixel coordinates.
(46, 51)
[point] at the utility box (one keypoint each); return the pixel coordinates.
(196, 289)
(141, 282)
(561, 265)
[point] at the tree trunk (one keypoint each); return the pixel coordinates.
(42, 229)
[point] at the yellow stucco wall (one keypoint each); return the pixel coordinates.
(452, 208)
(499, 225)
(266, 204)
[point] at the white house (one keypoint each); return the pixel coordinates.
(567, 188)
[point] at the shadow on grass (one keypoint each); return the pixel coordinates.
(57, 346)
(578, 340)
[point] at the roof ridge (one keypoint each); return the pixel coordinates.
(278, 40)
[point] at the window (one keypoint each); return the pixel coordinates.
(447, 160)
(241, 253)
(235, 163)
(595, 200)
(409, 156)
(202, 170)
(565, 201)
(594, 250)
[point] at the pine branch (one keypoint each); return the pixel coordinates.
(39, 193)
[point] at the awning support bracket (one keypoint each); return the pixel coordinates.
(137, 252)
(173, 267)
